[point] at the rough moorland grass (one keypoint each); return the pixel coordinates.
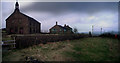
(84, 49)
(94, 49)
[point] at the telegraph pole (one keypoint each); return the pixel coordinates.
(101, 30)
(119, 18)
(92, 29)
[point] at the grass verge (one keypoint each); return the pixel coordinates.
(84, 49)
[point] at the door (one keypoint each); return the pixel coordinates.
(21, 30)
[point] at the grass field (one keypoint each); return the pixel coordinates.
(84, 49)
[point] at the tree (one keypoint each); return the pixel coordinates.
(75, 30)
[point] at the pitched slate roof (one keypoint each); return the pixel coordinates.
(61, 26)
(65, 27)
(32, 19)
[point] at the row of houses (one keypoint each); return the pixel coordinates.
(19, 23)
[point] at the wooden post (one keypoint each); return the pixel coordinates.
(14, 43)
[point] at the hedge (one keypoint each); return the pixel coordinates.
(26, 40)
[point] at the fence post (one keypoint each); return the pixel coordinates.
(14, 43)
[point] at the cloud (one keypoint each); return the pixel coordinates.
(58, 7)
(81, 15)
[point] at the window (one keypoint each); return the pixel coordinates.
(33, 24)
(64, 29)
(30, 23)
(16, 29)
(19, 21)
(30, 30)
(34, 30)
(60, 30)
(53, 29)
(12, 22)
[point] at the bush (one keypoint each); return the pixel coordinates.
(110, 35)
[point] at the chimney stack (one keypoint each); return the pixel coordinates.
(65, 25)
(56, 23)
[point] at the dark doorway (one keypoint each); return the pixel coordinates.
(21, 30)
(11, 31)
(16, 30)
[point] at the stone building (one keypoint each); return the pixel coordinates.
(58, 29)
(19, 23)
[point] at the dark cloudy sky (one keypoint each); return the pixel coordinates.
(80, 15)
